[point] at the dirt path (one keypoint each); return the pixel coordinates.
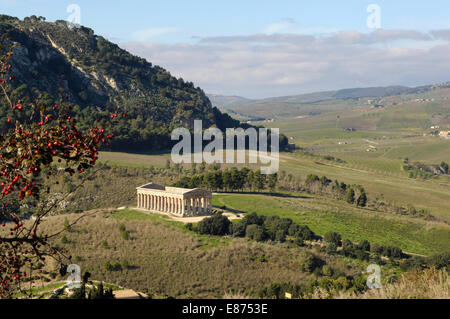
(186, 220)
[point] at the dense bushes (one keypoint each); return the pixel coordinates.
(337, 281)
(255, 227)
(217, 225)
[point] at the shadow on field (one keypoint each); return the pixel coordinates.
(276, 194)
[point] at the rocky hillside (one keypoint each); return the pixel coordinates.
(98, 76)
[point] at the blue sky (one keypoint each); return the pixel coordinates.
(121, 20)
(179, 34)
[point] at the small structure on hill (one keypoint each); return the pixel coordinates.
(445, 134)
(181, 202)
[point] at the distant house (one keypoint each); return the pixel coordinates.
(445, 134)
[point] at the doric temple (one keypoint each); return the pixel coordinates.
(181, 202)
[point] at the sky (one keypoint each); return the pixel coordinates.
(264, 48)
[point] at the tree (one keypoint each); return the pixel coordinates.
(255, 232)
(226, 179)
(35, 136)
(218, 225)
(350, 196)
(273, 180)
(253, 218)
(238, 229)
(376, 248)
(362, 199)
(444, 167)
(280, 235)
(364, 245)
(332, 238)
(309, 262)
(260, 180)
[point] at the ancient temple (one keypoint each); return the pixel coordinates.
(181, 202)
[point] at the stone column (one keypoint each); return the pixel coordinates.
(210, 204)
(189, 206)
(196, 206)
(164, 204)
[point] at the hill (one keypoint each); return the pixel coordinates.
(223, 100)
(98, 76)
(312, 104)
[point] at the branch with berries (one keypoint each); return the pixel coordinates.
(37, 138)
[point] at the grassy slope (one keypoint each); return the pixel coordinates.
(322, 215)
(166, 259)
(396, 132)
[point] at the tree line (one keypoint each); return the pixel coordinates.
(230, 180)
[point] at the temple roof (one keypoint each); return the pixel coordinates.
(170, 190)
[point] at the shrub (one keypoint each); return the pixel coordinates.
(105, 244)
(125, 235)
(364, 245)
(67, 225)
(238, 229)
(112, 267)
(280, 235)
(332, 237)
(440, 261)
(310, 262)
(217, 225)
(350, 196)
(253, 218)
(108, 266)
(125, 264)
(64, 239)
(327, 271)
(331, 248)
(255, 232)
(376, 248)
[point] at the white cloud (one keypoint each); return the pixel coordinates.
(265, 65)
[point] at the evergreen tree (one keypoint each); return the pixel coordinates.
(350, 196)
(362, 199)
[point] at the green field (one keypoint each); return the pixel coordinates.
(322, 215)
